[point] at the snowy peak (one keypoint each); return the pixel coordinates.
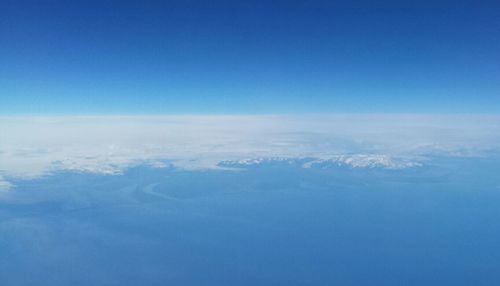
(352, 161)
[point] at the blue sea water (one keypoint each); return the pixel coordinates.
(275, 223)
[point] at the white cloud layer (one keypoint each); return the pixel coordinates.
(34, 146)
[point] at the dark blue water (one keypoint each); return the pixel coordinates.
(272, 224)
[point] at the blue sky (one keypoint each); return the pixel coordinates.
(245, 57)
(252, 142)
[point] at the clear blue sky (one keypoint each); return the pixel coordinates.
(143, 57)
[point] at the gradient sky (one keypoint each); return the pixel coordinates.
(144, 57)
